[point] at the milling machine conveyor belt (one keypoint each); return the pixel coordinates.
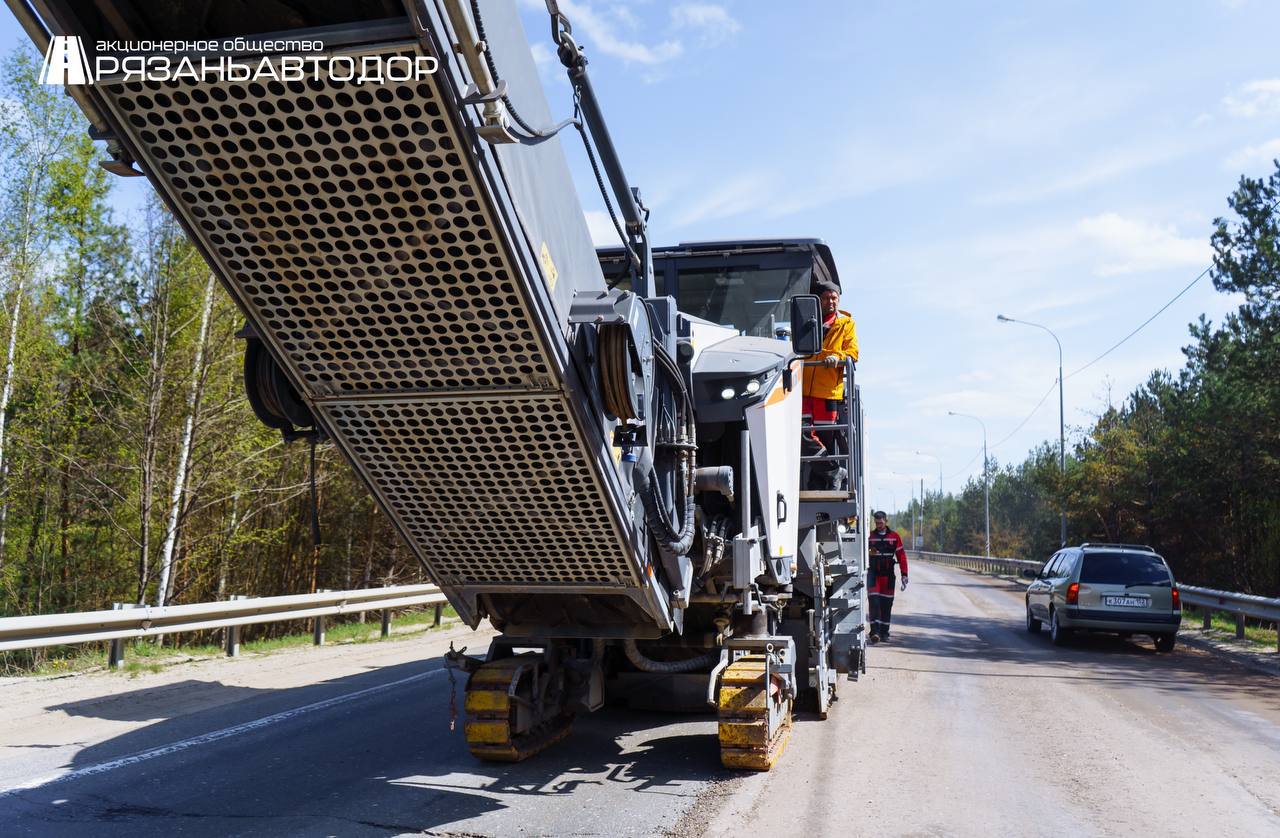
(356, 228)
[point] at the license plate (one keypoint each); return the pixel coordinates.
(1127, 601)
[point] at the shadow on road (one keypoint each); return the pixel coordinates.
(155, 703)
(382, 763)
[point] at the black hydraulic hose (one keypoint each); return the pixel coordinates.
(655, 514)
(493, 71)
(646, 664)
(539, 133)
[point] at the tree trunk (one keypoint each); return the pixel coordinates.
(184, 452)
(5, 395)
(223, 557)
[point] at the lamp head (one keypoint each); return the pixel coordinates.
(1004, 319)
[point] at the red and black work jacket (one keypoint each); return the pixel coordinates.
(884, 548)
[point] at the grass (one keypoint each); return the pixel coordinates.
(143, 655)
(1223, 626)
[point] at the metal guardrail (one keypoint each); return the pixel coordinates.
(1206, 600)
(979, 564)
(127, 621)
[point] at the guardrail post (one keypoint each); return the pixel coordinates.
(1208, 617)
(233, 633)
(1240, 625)
(115, 652)
(386, 623)
(439, 614)
(317, 628)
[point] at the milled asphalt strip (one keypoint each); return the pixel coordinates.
(206, 738)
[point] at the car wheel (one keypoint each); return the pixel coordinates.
(1057, 633)
(1033, 625)
(1164, 642)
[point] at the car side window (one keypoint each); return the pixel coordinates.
(1063, 570)
(1051, 567)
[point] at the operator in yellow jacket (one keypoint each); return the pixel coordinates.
(824, 384)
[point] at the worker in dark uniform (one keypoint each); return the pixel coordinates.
(884, 547)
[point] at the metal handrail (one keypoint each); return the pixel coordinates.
(807, 423)
(1206, 599)
(979, 564)
(130, 621)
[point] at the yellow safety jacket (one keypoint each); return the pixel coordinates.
(841, 339)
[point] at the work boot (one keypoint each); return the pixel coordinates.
(875, 638)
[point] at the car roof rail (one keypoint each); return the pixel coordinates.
(1113, 545)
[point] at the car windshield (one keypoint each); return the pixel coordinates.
(1124, 569)
(754, 301)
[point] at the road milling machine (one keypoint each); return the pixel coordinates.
(597, 452)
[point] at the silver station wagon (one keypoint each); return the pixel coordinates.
(1123, 589)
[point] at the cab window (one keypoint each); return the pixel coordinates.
(755, 301)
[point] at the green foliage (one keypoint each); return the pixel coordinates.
(1190, 462)
(105, 316)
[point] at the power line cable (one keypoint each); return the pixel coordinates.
(965, 468)
(1144, 323)
(1033, 412)
(1021, 424)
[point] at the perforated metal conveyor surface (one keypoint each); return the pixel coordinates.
(348, 221)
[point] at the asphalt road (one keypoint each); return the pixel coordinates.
(964, 725)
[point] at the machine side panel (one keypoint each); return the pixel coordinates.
(774, 425)
(537, 177)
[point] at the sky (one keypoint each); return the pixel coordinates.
(1059, 161)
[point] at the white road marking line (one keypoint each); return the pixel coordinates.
(206, 738)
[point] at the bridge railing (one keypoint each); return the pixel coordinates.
(978, 564)
(1206, 600)
(127, 621)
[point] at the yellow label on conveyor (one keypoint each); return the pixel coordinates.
(549, 267)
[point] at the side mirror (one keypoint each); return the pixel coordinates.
(806, 325)
(1028, 573)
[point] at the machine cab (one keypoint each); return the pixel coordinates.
(747, 286)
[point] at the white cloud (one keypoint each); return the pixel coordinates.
(712, 22)
(744, 192)
(1263, 153)
(1127, 245)
(601, 227)
(1113, 165)
(601, 28)
(1255, 98)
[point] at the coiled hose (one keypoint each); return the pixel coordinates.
(677, 541)
(647, 664)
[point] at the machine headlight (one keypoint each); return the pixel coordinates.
(753, 387)
(728, 393)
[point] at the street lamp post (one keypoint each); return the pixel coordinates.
(986, 480)
(911, 510)
(939, 462)
(1062, 425)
